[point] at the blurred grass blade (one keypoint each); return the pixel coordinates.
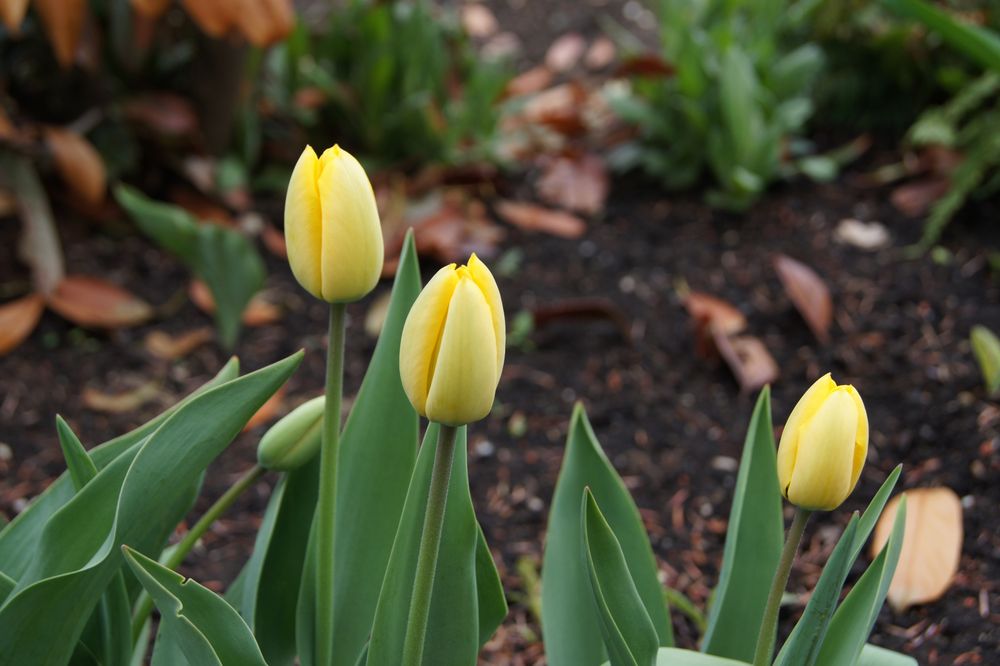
(974, 41)
(129, 501)
(19, 537)
(207, 629)
(753, 544)
(986, 348)
(570, 623)
(854, 619)
(629, 634)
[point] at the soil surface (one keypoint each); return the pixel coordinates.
(672, 423)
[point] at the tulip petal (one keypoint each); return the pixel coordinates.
(464, 379)
(352, 247)
(303, 223)
(422, 335)
(484, 279)
(804, 409)
(861, 438)
(821, 477)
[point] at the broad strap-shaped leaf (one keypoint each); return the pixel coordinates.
(78, 463)
(19, 537)
(629, 634)
(127, 502)
(454, 626)
(802, 646)
(974, 41)
(207, 629)
(753, 544)
(803, 643)
(872, 655)
(570, 624)
(668, 656)
(854, 619)
(492, 602)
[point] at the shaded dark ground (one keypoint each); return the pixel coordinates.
(673, 424)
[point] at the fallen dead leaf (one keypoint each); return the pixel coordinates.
(268, 411)
(534, 80)
(710, 314)
(478, 20)
(258, 312)
(120, 403)
(932, 545)
(274, 241)
(214, 17)
(12, 14)
(173, 347)
(565, 52)
(915, 199)
(536, 218)
(583, 309)
(63, 21)
(559, 108)
(95, 303)
(601, 53)
(501, 46)
(39, 247)
(151, 8)
(377, 312)
(863, 235)
(748, 358)
(201, 207)
(18, 319)
(579, 183)
(808, 293)
(164, 114)
(78, 163)
(264, 22)
(650, 65)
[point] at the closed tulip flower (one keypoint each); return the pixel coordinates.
(823, 446)
(453, 345)
(332, 227)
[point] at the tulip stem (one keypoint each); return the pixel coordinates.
(430, 543)
(769, 626)
(327, 501)
(144, 605)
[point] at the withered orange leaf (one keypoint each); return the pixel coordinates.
(808, 293)
(932, 545)
(120, 403)
(172, 347)
(150, 8)
(565, 52)
(258, 312)
(576, 183)
(268, 411)
(12, 14)
(18, 319)
(63, 21)
(709, 314)
(536, 218)
(95, 303)
(748, 358)
(78, 163)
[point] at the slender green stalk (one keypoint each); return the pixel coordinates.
(430, 543)
(327, 502)
(769, 626)
(144, 606)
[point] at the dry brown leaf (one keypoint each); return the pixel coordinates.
(172, 347)
(478, 20)
(601, 53)
(710, 313)
(39, 247)
(258, 312)
(274, 241)
(579, 184)
(932, 545)
(201, 207)
(268, 411)
(18, 319)
(12, 14)
(120, 403)
(164, 114)
(748, 358)
(915, 199)
(265, 22)
(7, 130)
(560, 108)
(650, 65)
(565, 52)
(95, 303)
(214, 17)
(808, 293)
(63, 21)
(150, 8)
(529, 82)
(536, 218)
(78, 163)
(377, 312)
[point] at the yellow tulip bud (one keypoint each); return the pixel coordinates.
(823, 446)
(453, 345)
(332, 228)
(295, 439)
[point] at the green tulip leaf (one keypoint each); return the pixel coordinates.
(872, 655)
(801, 647)
(629, 634)
(19, 538)
(491, 601)
(455, 623)
(986, 348)
(129, 501)
(668, 656)
(753, 544)
(206, 628)
(976, 42)
(855, 618)
(571, 626)
(224, 258)
(78, 463)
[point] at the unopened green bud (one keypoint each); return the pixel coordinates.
(295, 439)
